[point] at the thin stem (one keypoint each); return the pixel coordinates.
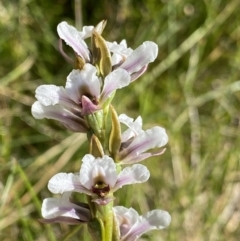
(78, 14)
(107, 218)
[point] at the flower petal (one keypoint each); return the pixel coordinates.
(151, 138)
(126, 218)
(87, 32)
(120, 48)
(93, 169)
(48, 94)
(131, 175)
(146, 155)
(137, 74)
(83, 82)
(56, 207)
(74, 39)
(120, 51)
(52, 95)
(155, 219)
(141, 56)
(135, 127)
(115, 80)
(66, 182)
(57, 112)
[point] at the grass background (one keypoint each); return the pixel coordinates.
(192, 89)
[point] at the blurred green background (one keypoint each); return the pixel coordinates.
(192, 90)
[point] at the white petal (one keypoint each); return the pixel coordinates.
(117, 60)
(48, 94)
(156, 219)
(135, 127)
(65, 182)
(128, 121)
(144, 156)
(57, 112)
(57, 207)
(143, 55)
(115, 80)
(137, 74)
(52, 95)
(83, 82)
(152, 138)
(131, 175)
(97, 169)
(126, 218)
(120, 48)
(87, 32)
(74, 39)
(129, 213)
(120, 51)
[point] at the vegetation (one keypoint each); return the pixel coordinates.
(192, 90)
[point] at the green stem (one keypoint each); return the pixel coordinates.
(107, 218)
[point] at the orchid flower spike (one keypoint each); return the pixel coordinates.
(134, 61)
(98, 177)
(132, 226)
(63, 210)
(81, 96)
(136, 142)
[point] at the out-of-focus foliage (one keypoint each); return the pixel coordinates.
(192, 90)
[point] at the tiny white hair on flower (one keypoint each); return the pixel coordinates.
(132, 225)
(98, 177)
(136, 142)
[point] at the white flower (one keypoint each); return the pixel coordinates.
(81, 96)
(99, 178)
(134, 61)
(62, 210)
(132, 226)
(136, 142)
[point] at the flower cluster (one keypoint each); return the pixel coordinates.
(83, 106)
